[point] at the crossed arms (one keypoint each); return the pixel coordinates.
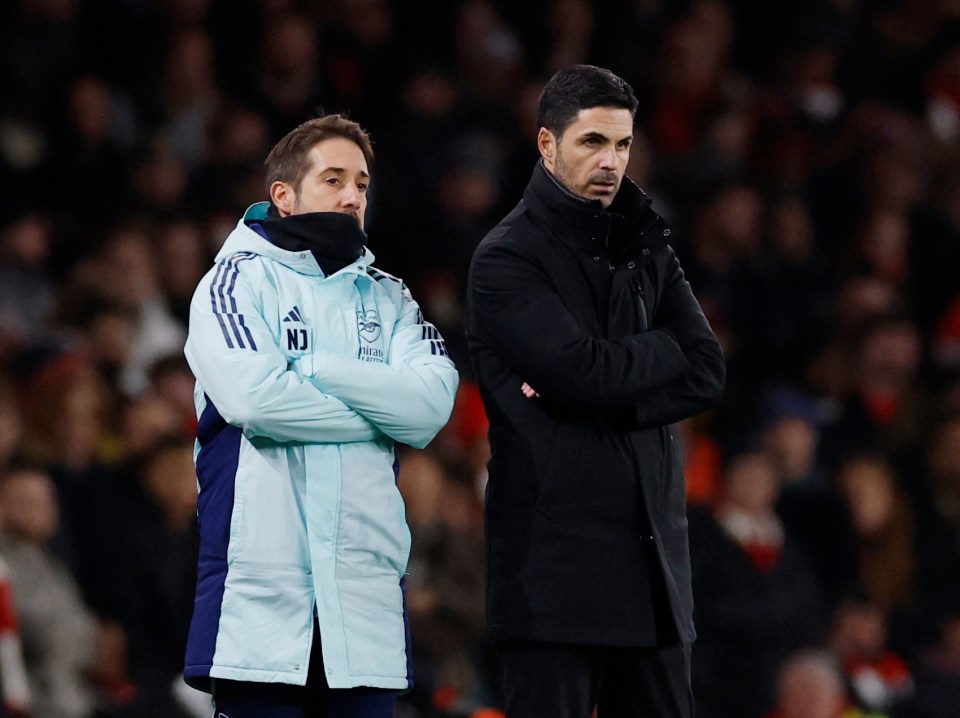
(408, 399)
(670, 372)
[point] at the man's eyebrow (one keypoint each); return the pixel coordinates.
(595, 135)
(341, 170)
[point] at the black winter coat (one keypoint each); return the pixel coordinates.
(586, 494)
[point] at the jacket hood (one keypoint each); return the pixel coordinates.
(245, 238)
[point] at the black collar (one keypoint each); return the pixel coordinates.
(335, 239)
(624, 226)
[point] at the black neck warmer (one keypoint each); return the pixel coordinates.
(334, 239)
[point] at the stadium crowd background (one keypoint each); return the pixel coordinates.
(808, 154)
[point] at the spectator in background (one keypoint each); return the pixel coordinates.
(883, 408)
(421, 480)
(934, 490)
(936, 227)
(812, 510)
(692, 64)
(155, 183)
(154, 571)
(58, 631)
(366, 57)
(181, 257)
(14, 684)
(27, 292)
(289, 86)
(89, 161)
(129, 276)
(446, 598)
(172, 381)
(810, 685)
(882, 246)
(230, 176)
(879, 679)
(66, 432)
(937, 670)
(721, 259)
(797, 286)
(884, 525)
(189, 96)
(756, 594)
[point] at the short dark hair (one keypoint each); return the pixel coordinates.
(579, 88)
(288, 162)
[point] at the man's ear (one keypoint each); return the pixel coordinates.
(547, 144)
(283, 198)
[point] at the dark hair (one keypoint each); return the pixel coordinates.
(579, 88)
(288, 160)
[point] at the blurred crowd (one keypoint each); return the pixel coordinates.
(808, 154)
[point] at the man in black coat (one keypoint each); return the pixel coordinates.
(588, 344)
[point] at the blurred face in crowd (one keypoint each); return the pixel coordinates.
(751, 484)
(869, 490)
(810, 689)
(792, 445)
(859, 627)
(29, 506)
(336, 181)
(590, 157)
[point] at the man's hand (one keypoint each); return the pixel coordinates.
(529, 391)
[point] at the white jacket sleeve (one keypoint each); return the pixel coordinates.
(410, 398)
(243, 371)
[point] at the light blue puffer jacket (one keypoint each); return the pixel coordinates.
(304, 384)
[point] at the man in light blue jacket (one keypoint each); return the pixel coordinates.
(311, 365)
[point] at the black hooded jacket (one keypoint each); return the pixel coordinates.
(586, 505)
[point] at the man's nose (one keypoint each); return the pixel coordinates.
(350, 196)
(608, 159)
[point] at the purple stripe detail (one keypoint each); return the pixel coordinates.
(236, 331)
(213, 283)
(217, 464)
(226, 334)
(231, 272)
(233, 282)
(253, 344)
(213, 303)
(228, 268)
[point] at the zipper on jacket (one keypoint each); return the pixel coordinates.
(641, 307)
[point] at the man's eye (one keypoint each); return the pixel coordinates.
(362, 187)
(333, 181)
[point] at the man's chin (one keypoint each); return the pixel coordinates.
(603, 193)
